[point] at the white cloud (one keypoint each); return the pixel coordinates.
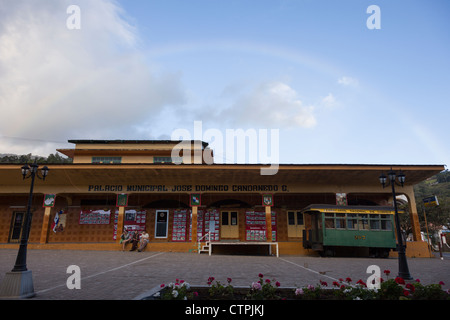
(348, 81)
(270, 105)
(57, 84)
(329, 101)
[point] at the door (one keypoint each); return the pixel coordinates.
(230, 225)
(161, 223)
(295, 224)
(16, 226)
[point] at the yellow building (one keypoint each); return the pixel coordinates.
(137, 185)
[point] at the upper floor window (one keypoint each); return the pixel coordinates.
(176, 160)
(106, 159)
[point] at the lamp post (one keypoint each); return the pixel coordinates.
(19, 282)
(403, 270)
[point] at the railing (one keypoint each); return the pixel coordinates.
(199, 241)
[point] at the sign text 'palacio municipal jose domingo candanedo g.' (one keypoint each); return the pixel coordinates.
(188, 188)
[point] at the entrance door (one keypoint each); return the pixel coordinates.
(295, 224)
(16, 226)
(230, 225)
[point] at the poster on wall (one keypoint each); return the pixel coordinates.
(341, 199)
(255, 226)
(49, 200)
(122, 200)
(208, 222)
(94, 216)
(133, 220)
(59, 222)
(195, 199)
(182, 222)
(267, 200)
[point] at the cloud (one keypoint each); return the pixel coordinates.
(348, 81)
(329, 101)
(269, 105)
(57, 83)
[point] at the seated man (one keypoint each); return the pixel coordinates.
(144, 240)
(134, 240)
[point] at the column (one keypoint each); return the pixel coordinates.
(268, 224)
(46, 224)
(194, 224)
(413, 216)
(120, 220)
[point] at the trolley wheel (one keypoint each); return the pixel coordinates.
(328, 252)
(384, 253)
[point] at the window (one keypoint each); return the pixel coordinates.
(340, 220)
(176, 160)
(352, 221)
(363, 222)
(329, 220)
(107, 160)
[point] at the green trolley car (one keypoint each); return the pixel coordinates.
(363, 230)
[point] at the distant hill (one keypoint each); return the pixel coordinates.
(28, 158)
(439, 216)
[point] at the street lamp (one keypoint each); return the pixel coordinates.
(403, 270)
(19, 282)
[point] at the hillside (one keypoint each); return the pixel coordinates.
(438, 185)
(29, 158)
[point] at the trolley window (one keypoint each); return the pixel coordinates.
(352, 221)
(340, 220)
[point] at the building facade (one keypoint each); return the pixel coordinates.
(114, 185)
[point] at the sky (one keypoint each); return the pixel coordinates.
(333, 88)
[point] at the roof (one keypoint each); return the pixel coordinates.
(309, 175)
(119, 141)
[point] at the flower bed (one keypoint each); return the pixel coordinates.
(267, 289)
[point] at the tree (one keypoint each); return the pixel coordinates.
(437, 216)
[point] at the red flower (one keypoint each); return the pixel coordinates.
(267, 280)
(260, 275)
(441, 283)
(418, 280)
(361, 283)
(335, 283)
(387, 272)
(410, 287)
(228, 280)
(323, 283)
(162, 285)
(405, 293)
(348, 280)
(399, 280)
(277, 284)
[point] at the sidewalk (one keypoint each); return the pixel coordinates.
(112, 275)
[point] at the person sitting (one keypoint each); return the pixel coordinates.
(144, 241)
(125, 238)
(134, 240)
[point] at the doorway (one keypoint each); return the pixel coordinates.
(230, 225)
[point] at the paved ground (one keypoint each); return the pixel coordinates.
(109, 275)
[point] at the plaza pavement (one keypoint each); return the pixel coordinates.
(117, 275)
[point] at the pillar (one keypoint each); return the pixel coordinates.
(120, 225)
(268, 224)
(413, 215)
(194, 224)
(46, 224)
